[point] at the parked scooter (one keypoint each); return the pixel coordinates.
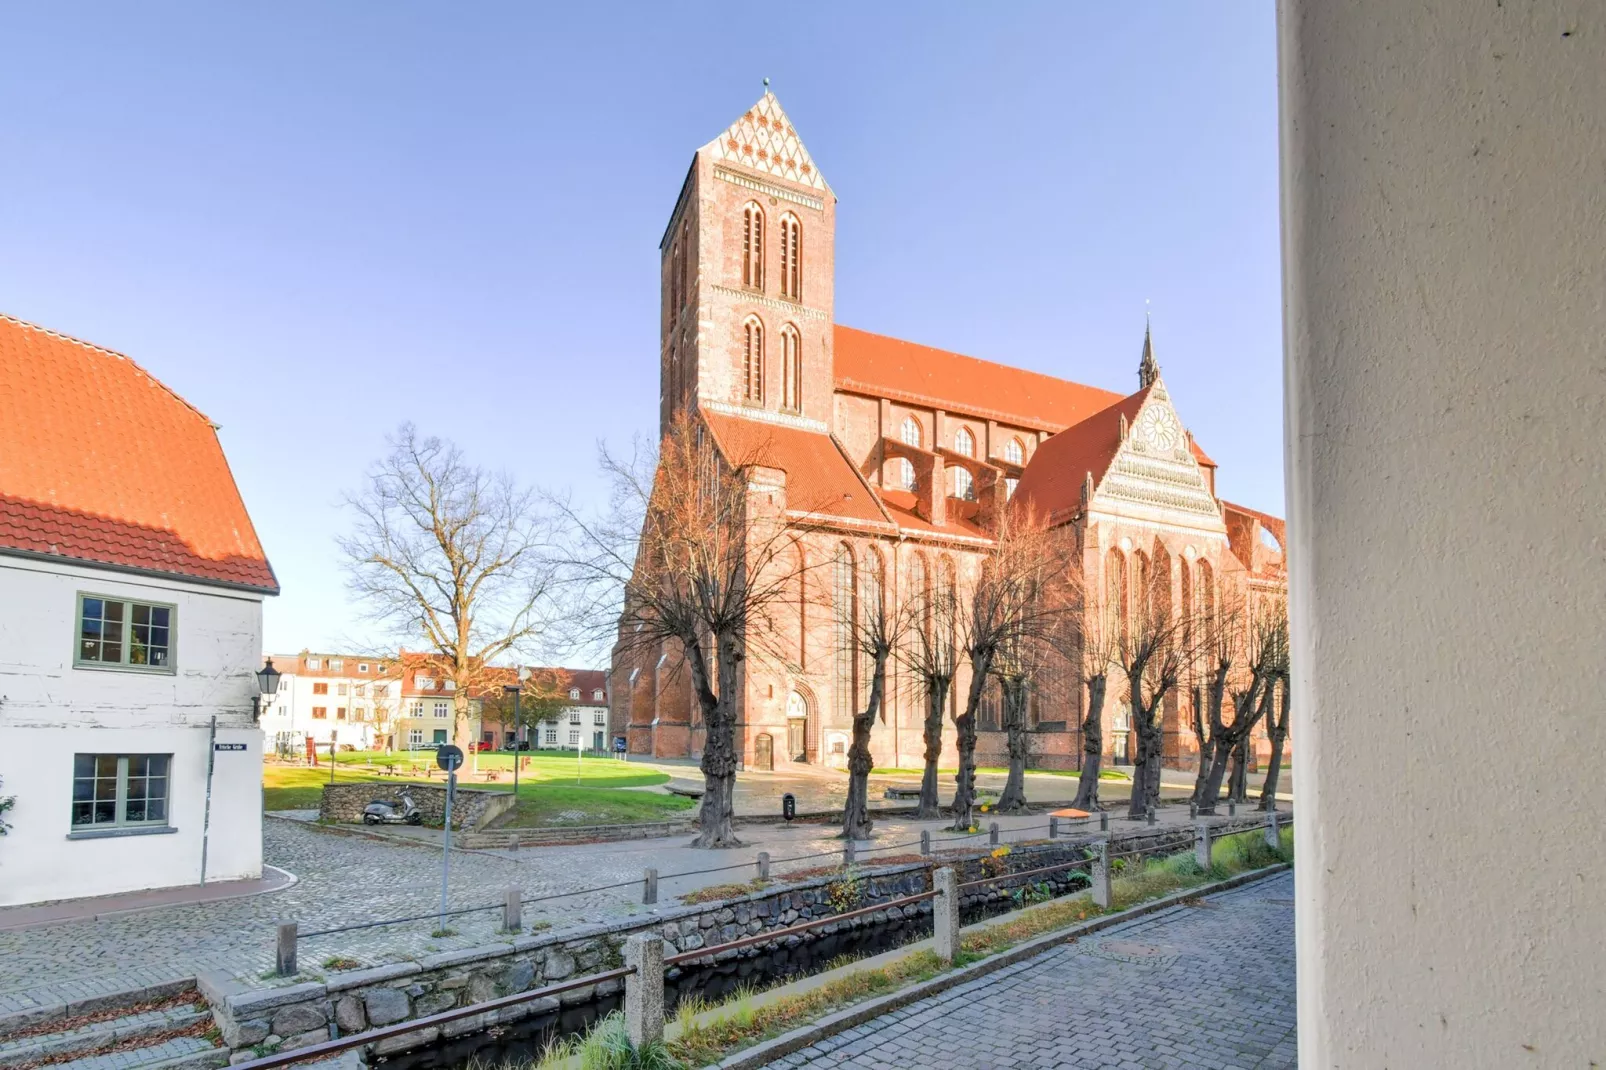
(402, 811)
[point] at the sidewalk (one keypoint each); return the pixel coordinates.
(100, 907)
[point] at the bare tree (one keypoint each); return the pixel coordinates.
(930, 632)
(451, 555)
(1277, 729)
(1097, 652)
(686, 556)
(1020, 668)
(1265, 661)
(1016, 601)
(1152, 650)
(1220, 629)
(876, 632)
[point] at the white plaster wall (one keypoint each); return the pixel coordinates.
(50, 711)
(1444, 206)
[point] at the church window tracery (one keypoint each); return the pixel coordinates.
(1014, 452)
(753, 360)
(753, 246)
(791, 257)
(791, 369)
(910, 431)
(964, 442)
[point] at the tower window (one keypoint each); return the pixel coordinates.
(753, 361)
(1014, 452)
(753, 246)
(910, 431)
(791, 369)
(964, 443)
(791, 258)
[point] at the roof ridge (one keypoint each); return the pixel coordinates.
(1015, 368)
(104, 351)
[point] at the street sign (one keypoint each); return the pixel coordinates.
(449, 757)
(228, 746)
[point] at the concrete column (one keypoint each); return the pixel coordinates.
(1273, 836)
(285, 950)
(763, 865)
(945, 913)
(1202, 838)
(649, 886)
(992, 834)
(1444, 242)
(644, 988)
(1053, 827)
(512, 910)
(1101, 876)
(925, 841)
(849, 852)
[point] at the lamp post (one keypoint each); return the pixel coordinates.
(518, 730)
(267, 687)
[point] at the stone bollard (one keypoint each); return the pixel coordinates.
(644, 989)
(1232, 808)
(1273, 838)
(849, 853)
(763, 865)
(512, 910)
(1149, 816)
(1104, 821)
(945, 914)
(1193, 811)
(649, 887)
(1101, 876)
(1202, 833)
(285, 953)
(992, 834)
(1053, 827)
(925, 842)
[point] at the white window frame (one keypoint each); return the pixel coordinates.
(442, 709)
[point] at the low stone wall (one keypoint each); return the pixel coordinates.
(502, 838)
(472, 808)
(299, 1015)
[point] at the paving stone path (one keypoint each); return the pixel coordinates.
(1210, 986)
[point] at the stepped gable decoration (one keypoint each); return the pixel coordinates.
(763, 139)
(102, 463)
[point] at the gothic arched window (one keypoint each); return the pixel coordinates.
(964, 443)
(791, 369)
(753, 360)
(1014, 452)
(910, 431)
(845, 654)
(1009, 486)
(753, 246)
(964, 485)
(791, 257)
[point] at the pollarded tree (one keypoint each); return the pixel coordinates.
(1017, 600)
(875, 630)
(1220, 629)
(451, 555)
(930, 630)
(688, 557)
(1265, 660)
(1277, 727)
(1152, 648)
(1097, 652)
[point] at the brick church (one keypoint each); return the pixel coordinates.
(901, 456)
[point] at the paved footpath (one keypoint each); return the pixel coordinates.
(1208, 986)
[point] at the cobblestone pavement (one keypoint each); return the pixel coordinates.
(1209, 986)
(346, 879)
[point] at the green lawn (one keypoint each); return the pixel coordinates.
(552, 791)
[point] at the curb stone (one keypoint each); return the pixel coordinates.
(760, 1055)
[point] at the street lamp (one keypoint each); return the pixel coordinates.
(518, 730)
(267, 686)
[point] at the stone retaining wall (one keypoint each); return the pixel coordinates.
(502, 838)
(472, 808)
(299, 1015)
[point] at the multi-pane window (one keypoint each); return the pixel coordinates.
(336, 664)
(574, 692)
(791, 369)
(964, 485)
(320, 689)
(119, 790)
(1014, 452)
(320, 713)
(415, 737)
(115, 632)
(753, 360)
(340, 713)
(597, 695)
(910, 431)
(753, 246)
(415, 708)
(574, 737)
(791, 258)
(906, 473)
(340, 689)
(441, 709)
(574, 716)
(314, 663)
(964, 443)
(1010, 485)
(599, 718)
(552, 735)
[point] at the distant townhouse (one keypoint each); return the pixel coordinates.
(351, 700)
(427, 715)
(131, 588)
(575, 701)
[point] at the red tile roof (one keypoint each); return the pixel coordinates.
(1053, 479)
(100, 462)
(819, 477)
(903, 371)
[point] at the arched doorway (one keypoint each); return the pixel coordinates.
(797, 727)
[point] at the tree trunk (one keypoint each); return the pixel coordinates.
(965, 778)
(1156, 763)
(856, 821)
(1222, 747)
(1087, 786)
(1207, 746)
(1137, 803)
(936, 699)
(1238, 781)
(1013, 800)
(719, 744)
(1278, 730)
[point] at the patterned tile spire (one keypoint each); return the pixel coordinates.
(764, 139)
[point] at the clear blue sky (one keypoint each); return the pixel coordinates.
(318, 220)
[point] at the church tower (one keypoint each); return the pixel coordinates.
(748, 265)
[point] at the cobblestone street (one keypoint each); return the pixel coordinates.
(1210, 986)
